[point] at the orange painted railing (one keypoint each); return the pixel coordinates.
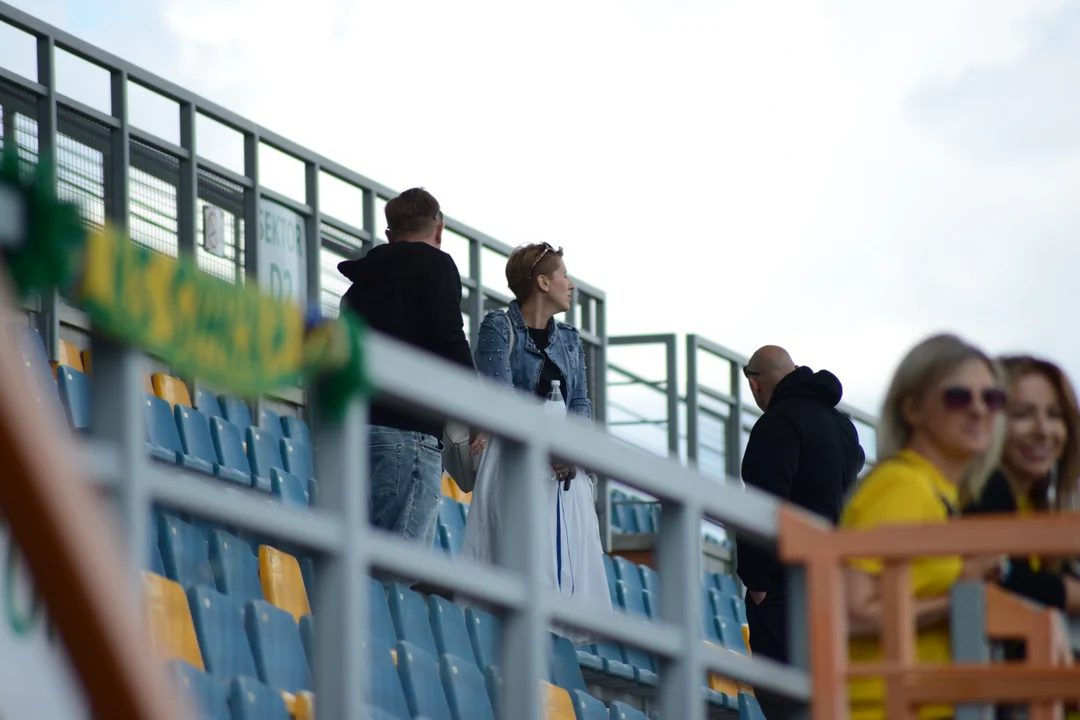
(1046, 679)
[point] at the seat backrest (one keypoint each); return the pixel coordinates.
(252, 700)
(650, 580)
(288, 488)
(296, 429)
(622, 711)
(207, 695)
(235, 567)
(644, 518)
(36, 361)
(172, 633)
(587, 707)
(557, 702)
(726, 584)
(229, 444)
(421, 681)
(410, 615)
(270, 421)
(74, 388)
(219, 625)
(195, 433)
(721, 604)
(263, 452)
(235, 411)
(171, 389)
(207, 403)
(384, 689)
(465, 690)
(307, 637)
(448, 627)
(485, 632)
(451, 524)
(160, 424)
(565, 670)
(628, 573)
(276, 645)
(305, 707)
(709, 626)
(67, 355)
(184, 553)
(731, 635)
(282, 582)
(749, 708)
(297, 458)
(633, 602)
(381, 626)
(609, 571)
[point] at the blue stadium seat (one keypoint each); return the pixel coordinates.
(628, 573)
(421, 682)
(609, 570)
(207, 403)
(622, 711)
(251, 700)
(229, 443)
(157, 565)
(586, 707)
(493, 683)
(184, 553)
(307, 570)
(275, 642)
(165, 437)
(629, 600)
(384, 689)
(448, 627)
(611, 656)
(219, 626)
(740, 610)
(466, 693)
(643, 516)
(263, 452)
(451, 525)
(235, 411)
(32, 349)
(74, 388)
(731, 635)
(197, 442)
(410, 614)
(627, 517)
(721, 605)
(484, 633)
(297, 458)
(651, 608)
(565, 671)
(749, 708)
(643, 664)
(207, 695)
(709, 625)
(382, 625)
(370, 712)
(236, 569)
(270, 421)
(307, 637)
(288, 488)
(296, 429)
(726, 584)
(650, 580)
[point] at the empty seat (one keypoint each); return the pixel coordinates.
(611, 656)
(731, 635)
(628, 573)
(197, 442)
(451, 525)
(252, 700)
(726, 584)
(709, 626)
(288, 488)
(229, 444)
(484, 633)
(557, 702)
(305, 707)
(586, 707)
(235, 567)
(282, 582)
(87, 367)
(609, 571)
(371, 712)
(207, 403)
(207, 695)
(565, 671)
(382, 625)
(622, 711)
(74, 388)
(263, 452)
(270, 421)
(643, 516)
(276, 645)
(449, 628)
(171, 389)
(650, 581)
(630, 600)
(235, 411)
(36, 361)
(297, 458)
(67, 355)
(184, 553)
(749, 708)
(172, 633)
(384, 689)
(465, 691)
(219, 625)
(307, 637)
(410, 615)
(157, 565)
(164, 437)
(296, 429)
(421, 682)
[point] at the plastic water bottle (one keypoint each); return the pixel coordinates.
(555, 404)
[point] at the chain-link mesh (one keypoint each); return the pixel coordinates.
(82, 156)
(218, 192)
(334, 284)
(154, 177)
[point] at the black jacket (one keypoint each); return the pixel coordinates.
(1041, 586)
(410, 291)
(805, 451)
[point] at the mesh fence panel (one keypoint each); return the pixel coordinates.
(218, 192)
(154, 177)
(83, 149)
(334, 284)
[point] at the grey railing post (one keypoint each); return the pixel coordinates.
(679, 564)
(967, 629)
(692, 402)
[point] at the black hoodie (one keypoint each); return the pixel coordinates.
(410, 291)
(805, 451)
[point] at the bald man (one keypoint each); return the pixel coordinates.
(806, 452)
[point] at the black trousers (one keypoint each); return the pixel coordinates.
(768, 638)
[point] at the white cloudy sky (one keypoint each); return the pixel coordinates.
(841, 178)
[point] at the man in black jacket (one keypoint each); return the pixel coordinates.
(411, 290)
(806, 452)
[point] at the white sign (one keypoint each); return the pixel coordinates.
(282, 253)
(213, 228)
(36, 678)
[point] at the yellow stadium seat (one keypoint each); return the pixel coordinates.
(282, 582)
(305, 707)
(85, 355)
(557, 703)
(721, 684)
(172, 631)
(68, 356)
(448, 486)
(171, 389)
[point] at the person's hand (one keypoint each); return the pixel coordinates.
(757, 597)
(982, 567)
(562, 472)
(477, 443)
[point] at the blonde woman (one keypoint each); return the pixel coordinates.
(937, 442)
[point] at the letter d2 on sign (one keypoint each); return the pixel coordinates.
(282, 253)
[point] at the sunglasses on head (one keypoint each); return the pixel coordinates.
(961, 398)
(545, 251)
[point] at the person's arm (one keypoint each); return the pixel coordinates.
(769, 463)
(579, 402)
(1042, 587)
(493, 350)
(862, 595)
(448, 338)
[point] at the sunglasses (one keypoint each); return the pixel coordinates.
(962, 398)
(545, 251)
(747, 372)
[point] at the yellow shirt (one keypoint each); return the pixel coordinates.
(904, 490)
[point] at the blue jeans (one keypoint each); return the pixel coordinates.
(406, 482)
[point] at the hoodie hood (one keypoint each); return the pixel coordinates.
(354, 270)
(803, 382)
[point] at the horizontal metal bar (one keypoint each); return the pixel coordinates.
(295, 206)
(655, 637)
(90, 113)
(349, 252)
(761, 672)
(662, 339)
(19, 81)
(157, 143)
(345, 227)
(213, 500)
(351, 177)
(102, 458)
(589, 338)
(445, 389)
(225, 173)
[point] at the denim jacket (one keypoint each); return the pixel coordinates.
(565, 349)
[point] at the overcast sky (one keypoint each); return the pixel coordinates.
(841, 178)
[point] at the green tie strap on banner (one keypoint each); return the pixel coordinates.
(333, 353)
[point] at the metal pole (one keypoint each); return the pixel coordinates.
(476, 297)
(49, 321)
(314, 234)
(679, 558)
(967, 629)
(187, 192)
(733, 443)
(251, 207)
(692, 399)
(672, 397)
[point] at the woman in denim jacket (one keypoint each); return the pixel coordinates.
(527, 349)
